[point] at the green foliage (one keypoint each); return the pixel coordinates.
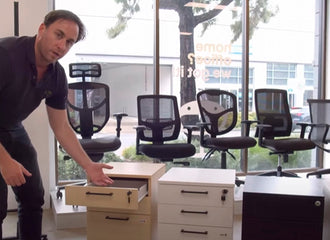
(70, 170)
(259, 159)
(130, 154)
(129, 8)
(260, 11)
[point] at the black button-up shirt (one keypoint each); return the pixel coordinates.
(20, 93)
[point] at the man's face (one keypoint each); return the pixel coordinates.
(55, 41)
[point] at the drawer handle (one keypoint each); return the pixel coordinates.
(100, 194)
(194, 192)
(197, 212)
(195, 232)
(117, 218)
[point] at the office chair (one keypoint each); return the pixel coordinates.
(274, 128)
(158, 123)
(319, 133)
(88, 110)
(218, 111)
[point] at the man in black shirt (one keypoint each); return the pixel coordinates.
(29, 73)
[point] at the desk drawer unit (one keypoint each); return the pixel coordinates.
(124, 210)
(196, 204)
(282, 208)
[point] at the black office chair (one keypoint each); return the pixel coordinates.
(88, 109)
(158, 123)
(319, 133)
(274, 128)
(218, 111)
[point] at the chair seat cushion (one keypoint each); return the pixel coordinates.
(101, 144)
(224, 143)
(288, 144)
(167, 151)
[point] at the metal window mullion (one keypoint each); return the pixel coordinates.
(245, 77)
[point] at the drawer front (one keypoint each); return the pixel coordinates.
(280, 230)
(102, 197)
(256, 205)
(106, 225)
(195, 215)
(185, 232)
(196, 195)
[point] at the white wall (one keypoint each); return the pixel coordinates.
(31, 14)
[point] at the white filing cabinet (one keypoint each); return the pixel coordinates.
(124, 210)
(196, 203)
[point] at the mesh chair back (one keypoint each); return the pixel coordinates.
(160, 115)
(219, 108)
(319, 113)
(88, 107)
(272, 108)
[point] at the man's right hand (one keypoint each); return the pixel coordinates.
(14, 173)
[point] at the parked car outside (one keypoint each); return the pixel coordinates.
(299, 114)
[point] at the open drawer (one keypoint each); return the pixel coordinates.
(122, 194)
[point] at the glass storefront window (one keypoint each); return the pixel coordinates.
(286, 46)
(200, 47)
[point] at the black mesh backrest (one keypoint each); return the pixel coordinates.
(160, 114)
(88, 107)
(219, 108)
(319, 113)
(272, 108)
(88, 103)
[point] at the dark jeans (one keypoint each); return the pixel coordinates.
(29, 196)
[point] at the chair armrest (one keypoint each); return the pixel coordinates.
(202, 126)
(190, 128)
(260, 128)
(248, 124)
(119, 117)
(138, 129)
(303, 126)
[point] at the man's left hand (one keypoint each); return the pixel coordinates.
(96, 174)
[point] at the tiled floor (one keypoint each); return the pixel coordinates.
(49, 228)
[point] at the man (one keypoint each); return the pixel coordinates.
(30, 72)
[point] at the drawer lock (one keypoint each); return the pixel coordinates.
(129, 193)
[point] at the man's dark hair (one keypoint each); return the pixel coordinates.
(55, 15)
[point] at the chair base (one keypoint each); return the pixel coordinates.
(279, 173)
(319, 173)
(239, 182)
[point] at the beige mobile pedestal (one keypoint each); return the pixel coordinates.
(196, 204)
(125, 210)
